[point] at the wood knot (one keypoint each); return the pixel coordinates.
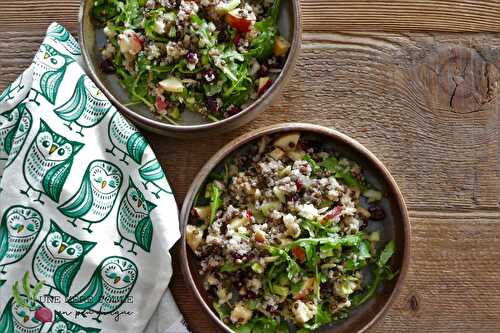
(458, 79)
(413, 303)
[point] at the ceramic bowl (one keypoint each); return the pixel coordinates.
(92, 39)
(395, 225)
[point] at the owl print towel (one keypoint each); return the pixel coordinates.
(87, 215)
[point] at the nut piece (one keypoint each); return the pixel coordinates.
(194, 236)
(287, 142)
(241, 314)
(303, 312)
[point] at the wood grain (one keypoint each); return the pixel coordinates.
(427, 104)
(318, 15)
(452, 285)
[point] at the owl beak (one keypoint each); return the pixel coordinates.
(104, 183)
(139, 203)
(26, 318)
(52, 149)
(61, 248)
(20, 228)
(117, 279)
(46, 56)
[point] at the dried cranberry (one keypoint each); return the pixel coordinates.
(251, 295)
(223, 229)
(107, 67)
(363, 225)
(236, 256)
(237, 39)
(263, 71)
(209, 75)
(265, 87)
(376, 213)
(232, 110)
(223, 36)
(161, 103)
(212, 104)
(299, 185)
(192, 58)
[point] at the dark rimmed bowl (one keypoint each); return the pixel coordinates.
(395, 226)
(192, 125)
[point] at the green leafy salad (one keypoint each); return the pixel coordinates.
(211, 57)
(286, 236)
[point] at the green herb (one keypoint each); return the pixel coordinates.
(215, 201)
(262, 47)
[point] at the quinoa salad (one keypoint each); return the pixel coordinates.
(211, 57)
(280, 231)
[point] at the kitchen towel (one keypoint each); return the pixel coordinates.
(87, 215)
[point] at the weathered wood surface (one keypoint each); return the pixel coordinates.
(426, 103)
(319, 15)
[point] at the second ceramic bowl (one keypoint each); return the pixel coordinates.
(92, 39)
(395, 225)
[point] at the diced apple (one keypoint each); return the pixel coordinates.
(235, 19)
(277, 154)
(194, 236)
(287, 142)
(281, 46)
(172, 84)
(260, 236)
(225, 6)
(202, 212)
(130, 42)
(241, 314)
(296, 155)
(264, 84)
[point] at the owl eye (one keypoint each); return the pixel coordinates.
(30, 227)
(61, 151)
(46, 143)
(71, 251)
(53, 61)
(126, 279)
(134, 197)
(112, 275)
(14, 226)
(55, 243)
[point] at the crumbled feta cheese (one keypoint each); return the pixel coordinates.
(308, 211)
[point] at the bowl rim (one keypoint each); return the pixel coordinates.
(257, 106)
(235, 145)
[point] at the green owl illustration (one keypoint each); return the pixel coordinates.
(86, 108)
(133, 221)
(58, 259)
(19, 228)
(63, 325)
(10, 92)
(49, 69)
(125, 138)
(108, 288)
(63, 37)
(97, 194)
(152, 173)
(8, 125)
(16, 138)
(48, 162)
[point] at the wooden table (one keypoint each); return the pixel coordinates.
(415, 81)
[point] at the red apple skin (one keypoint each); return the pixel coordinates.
(239, 23)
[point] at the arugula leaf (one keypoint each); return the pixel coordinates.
(104, 10)
(204, 31)
(315, 167)
(149, 25)
(380, 272)
(215, 201)
(262, 47)
(386, 254)
(342, 172)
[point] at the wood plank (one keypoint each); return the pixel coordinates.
(426, 105)
(318, 15)
(452, 285)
